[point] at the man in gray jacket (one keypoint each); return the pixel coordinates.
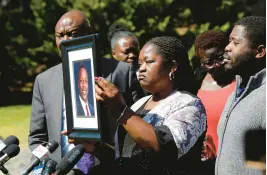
(245, 109)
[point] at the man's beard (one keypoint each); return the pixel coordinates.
(243, 63)
(224, 78)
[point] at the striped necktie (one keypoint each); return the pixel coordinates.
(87, 111)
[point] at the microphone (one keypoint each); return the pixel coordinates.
(70, 160)
(11, 140)
(50, 167)
(37, 170)
(3, 169)
(8, 141)
(39, 152)
(11, 151)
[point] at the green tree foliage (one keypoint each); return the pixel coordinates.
(27, 44)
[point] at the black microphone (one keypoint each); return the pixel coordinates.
(50, 167)
(11, 151)
(70, 160)
(11, 140)
(3, 169)
(8, 141)
(39, 152)
(4, 144)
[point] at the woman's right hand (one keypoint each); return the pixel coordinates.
(108, 93)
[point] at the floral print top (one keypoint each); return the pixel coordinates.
(182, 113)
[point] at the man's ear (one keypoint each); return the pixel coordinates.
(261, 52)
(174, 66)
(113, 53)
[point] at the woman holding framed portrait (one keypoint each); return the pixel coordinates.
(163, 130)
(161, 133)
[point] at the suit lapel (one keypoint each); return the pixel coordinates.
(80, 107)
(58, 102)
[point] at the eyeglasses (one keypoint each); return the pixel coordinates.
(211, 63)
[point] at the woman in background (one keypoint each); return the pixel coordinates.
(124, 44)
(215, 86)
(125, 49)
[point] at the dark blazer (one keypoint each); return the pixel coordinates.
(80, 110)
(46, 115)
(124, 77)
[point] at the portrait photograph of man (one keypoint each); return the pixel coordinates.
(84, 89)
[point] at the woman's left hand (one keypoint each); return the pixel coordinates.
(110, 94)
(88, 145)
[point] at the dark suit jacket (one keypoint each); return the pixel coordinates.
(124, 77)
(80, 110)
(46, 115)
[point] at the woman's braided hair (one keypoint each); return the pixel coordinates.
(172, 49)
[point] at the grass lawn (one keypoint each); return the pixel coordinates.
(15, 120)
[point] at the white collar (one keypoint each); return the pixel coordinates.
(82, 102)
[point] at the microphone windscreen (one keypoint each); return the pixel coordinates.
(11, 140)
(52, 146)
(12, 150)
(70, 159)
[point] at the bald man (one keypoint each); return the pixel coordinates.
(72, 24)
(48, 116)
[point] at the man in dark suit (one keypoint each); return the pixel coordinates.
(84, 108)
(48, 116)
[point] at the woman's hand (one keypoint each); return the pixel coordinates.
(89, 146)
(209, 151)
(109, 94)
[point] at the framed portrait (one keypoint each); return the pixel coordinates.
(79, 69)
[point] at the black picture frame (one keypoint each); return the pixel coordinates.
(82, 122)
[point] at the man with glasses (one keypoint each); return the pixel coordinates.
(215, 86)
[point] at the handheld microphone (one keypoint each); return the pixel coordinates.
(37, 170)
(8, 141)
(11, 151)
(70, 160)
(50, 167)
(4, 144)
(11, 140)
(39, 152)
(3, 169)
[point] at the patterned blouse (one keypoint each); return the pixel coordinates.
(182, 113)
